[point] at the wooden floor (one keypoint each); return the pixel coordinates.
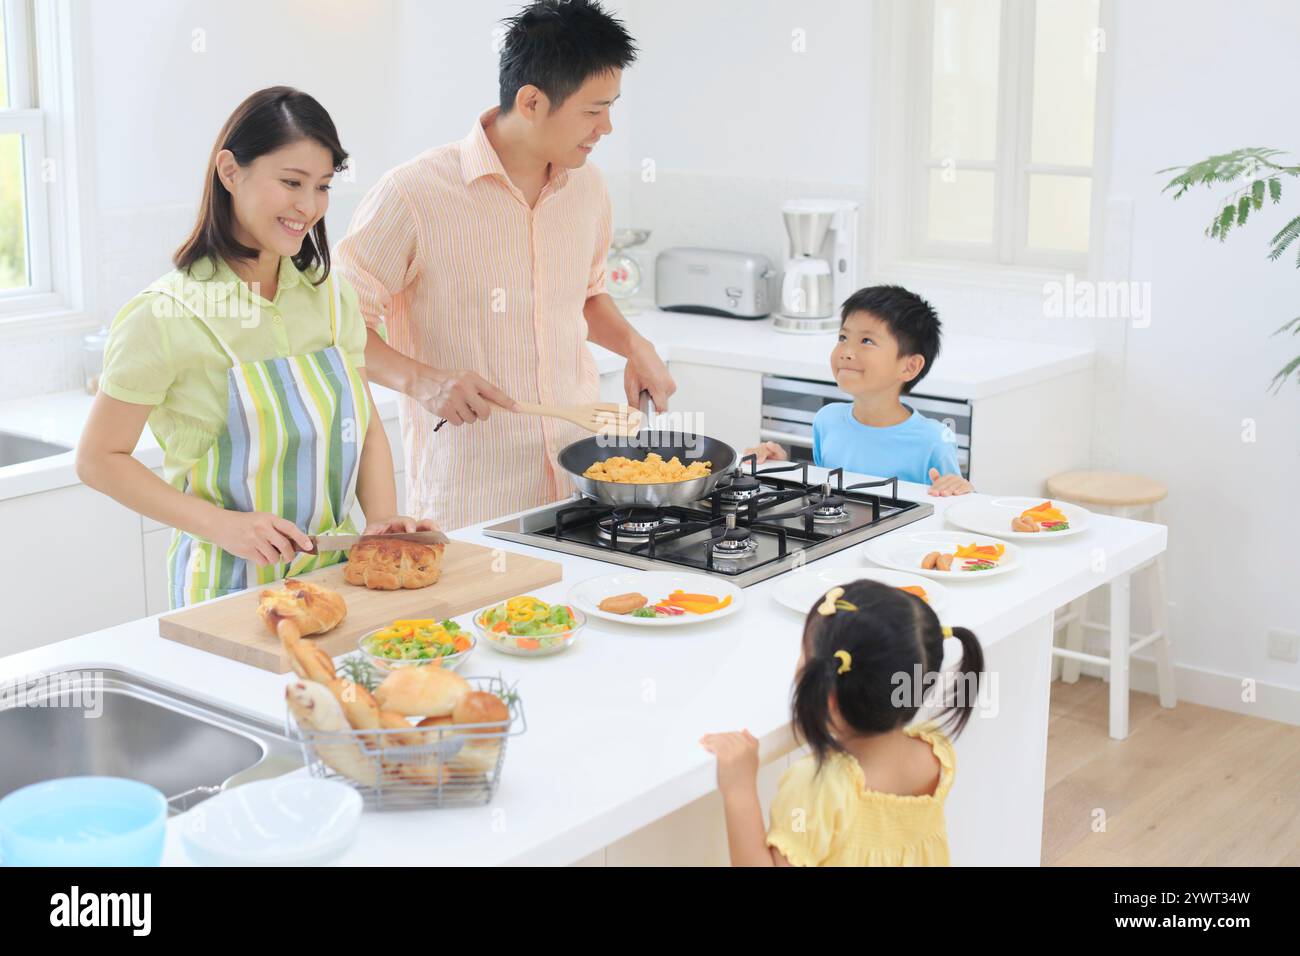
(1191, 786)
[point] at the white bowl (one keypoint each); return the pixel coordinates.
(287, 821)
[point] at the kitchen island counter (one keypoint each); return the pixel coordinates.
(614, 723)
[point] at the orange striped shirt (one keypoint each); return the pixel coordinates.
(447, 253)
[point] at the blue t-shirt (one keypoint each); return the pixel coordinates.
(906, 451)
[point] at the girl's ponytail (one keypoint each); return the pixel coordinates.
(811, 706)
(966, 691)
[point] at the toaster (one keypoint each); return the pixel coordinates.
(737, 285)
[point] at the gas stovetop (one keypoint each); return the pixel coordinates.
(753, 526)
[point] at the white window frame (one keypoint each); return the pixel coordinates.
(901, 251)
(44, 97)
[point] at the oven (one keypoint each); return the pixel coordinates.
(789, 405)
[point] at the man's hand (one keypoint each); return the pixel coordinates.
(460, 396)
(646, 372)
(949, 484)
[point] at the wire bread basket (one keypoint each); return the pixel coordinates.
(445, 765)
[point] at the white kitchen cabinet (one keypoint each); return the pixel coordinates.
(723, 403)
(1021, 437)
(72, 563)
(693, 835)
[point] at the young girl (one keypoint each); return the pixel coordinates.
(246, 361)
(872, 791)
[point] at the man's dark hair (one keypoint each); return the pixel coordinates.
(910, 319)
(557, 45)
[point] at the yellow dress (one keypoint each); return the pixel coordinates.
(832, 819)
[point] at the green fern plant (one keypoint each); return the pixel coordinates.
(1260, 176)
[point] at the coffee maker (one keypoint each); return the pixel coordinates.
(821, 263)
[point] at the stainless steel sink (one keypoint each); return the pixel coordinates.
(15, 449)
(188, 747)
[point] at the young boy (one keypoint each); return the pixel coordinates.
(888, 340)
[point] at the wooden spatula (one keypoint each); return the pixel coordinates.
(600, 417)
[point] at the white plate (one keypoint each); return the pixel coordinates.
(799, 590)
(655, 585)
(905, 549)
(993, 516)
(287, 821)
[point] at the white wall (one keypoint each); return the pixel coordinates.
(728, 119)
(1199, 371)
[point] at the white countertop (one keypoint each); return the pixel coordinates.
(968, 367)
(614, 723)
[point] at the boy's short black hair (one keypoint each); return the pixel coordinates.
(557, 45)
(910, 319)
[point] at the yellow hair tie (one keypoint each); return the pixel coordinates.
(832, 603)
(947, 632)
(846, 662)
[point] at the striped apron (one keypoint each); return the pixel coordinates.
(291, 447)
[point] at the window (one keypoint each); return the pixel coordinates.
(37, 178)
(991, 130)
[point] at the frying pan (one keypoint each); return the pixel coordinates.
(689, 448)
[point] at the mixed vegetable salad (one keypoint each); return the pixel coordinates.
(532, 624)
(679, 602)
(417, 640)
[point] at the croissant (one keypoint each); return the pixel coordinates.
(389, 565)
(301, 608)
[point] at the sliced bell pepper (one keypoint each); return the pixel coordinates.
(527, 643)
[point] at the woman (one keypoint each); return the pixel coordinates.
(246, 361)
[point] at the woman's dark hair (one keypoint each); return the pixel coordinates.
(557, 45)
(266, 121)
(895, 644)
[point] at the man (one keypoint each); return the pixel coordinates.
(484, 261)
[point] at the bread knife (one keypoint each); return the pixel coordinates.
(344, 542)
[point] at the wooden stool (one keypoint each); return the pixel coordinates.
(1125, 496)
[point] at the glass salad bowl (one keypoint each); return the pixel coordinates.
(527, 627)
(416, 643)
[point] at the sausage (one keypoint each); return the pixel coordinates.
(944, 563)
(623, 603)
(930, 560)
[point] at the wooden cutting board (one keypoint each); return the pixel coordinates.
(232, 628)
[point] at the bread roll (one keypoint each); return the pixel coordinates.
(390, 720)
(300, 608)
(422, 691)
(480, 753)
(317, 711)
(389, 565)
(308, 660)
(480, 707)
(359, 705)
